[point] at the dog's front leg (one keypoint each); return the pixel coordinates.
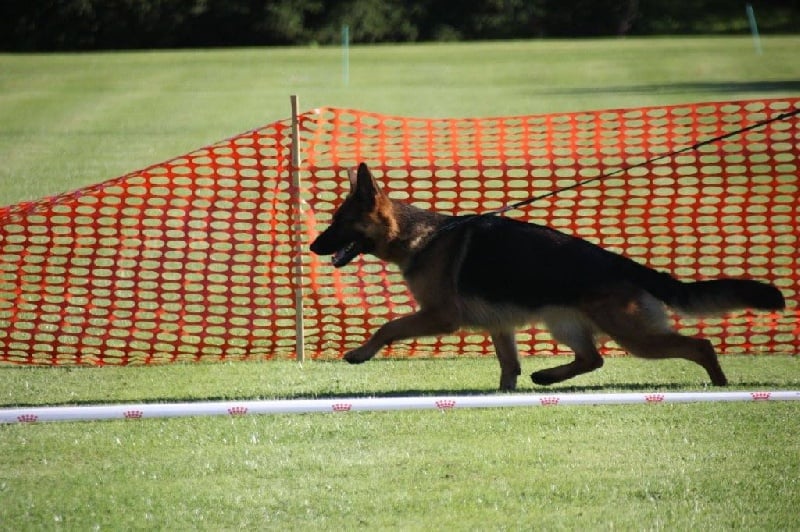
(505, 345)
(423, 323)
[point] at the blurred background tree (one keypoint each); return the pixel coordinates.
(48, 25)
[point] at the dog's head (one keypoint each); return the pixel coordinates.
(359, 223)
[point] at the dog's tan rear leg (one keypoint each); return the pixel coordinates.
(572, 329)
(639, 324)
(674, 345)
(505, 345)
(422, 323)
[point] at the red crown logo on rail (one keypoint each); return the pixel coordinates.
(237, 410)
(133, 414)
(341, 407)
(549, 401)
(760, 396)
(444, 404)
(27, 418)
(654, 398)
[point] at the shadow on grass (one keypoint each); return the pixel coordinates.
(655, 387)
(689, 87)
(334, 383)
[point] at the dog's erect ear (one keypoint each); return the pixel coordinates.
(352, 175)
(362, 184)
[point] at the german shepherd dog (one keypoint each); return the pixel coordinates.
(497, 274)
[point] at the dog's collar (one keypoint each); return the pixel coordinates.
(451, 224)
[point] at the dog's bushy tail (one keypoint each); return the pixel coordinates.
(718, 296)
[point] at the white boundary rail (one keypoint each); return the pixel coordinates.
(371, 404)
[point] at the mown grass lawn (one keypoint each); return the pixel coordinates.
(681, 467)
(669, 467)
(69, 120)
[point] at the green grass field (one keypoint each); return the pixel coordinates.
(69, 120)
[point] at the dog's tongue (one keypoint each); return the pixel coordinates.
(338, 256)
(345, 254)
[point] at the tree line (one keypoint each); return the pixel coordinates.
(51, 25)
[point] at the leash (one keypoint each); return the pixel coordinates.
(697, 145)
(693, 147)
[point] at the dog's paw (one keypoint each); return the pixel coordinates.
(544, 378)
(358, 356)
(508, 383)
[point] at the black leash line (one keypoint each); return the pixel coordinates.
(693, 147)
(697, 145)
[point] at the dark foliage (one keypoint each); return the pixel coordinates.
(43, 25)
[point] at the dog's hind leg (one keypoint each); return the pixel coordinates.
(639, 325)
(505, 345)
(571, 328)
(674, 345)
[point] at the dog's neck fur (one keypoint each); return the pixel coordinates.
(412, 229)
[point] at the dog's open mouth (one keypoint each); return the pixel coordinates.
(346, 254)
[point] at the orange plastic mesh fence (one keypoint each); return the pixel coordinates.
(193, 259)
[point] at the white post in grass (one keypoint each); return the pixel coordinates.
(751, 19)
(298, 233)
(346, 55)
